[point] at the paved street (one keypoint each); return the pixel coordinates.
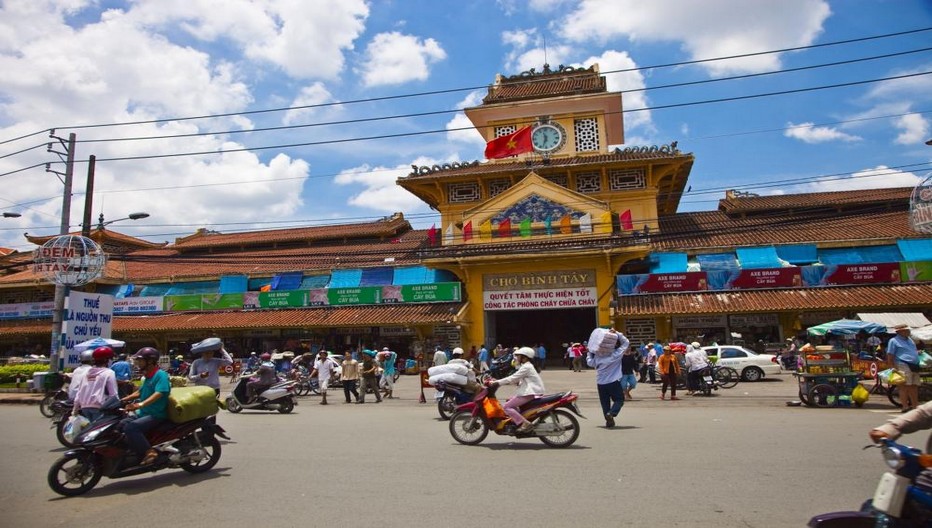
(740, 459)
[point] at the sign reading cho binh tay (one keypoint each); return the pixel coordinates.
(541, 290)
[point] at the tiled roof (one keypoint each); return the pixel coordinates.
(581, 161)
(740, 204)
(387, 227)
(344, 316)
(848, 298)
(715, 229)
(559, 84)
(104, 237)
(169, 265)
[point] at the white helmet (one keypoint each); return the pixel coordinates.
(87, 356)
(457, 351)
(528, 352)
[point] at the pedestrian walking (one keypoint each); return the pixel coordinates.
(206, 369)
(629, 369)
(669, 368)
(370, 377)
(440, 357)
(577, 351)
(323, 369)
(350, 376)
(388, 371)
(608, 379)
(541, 358)
(906, 359)
(483, 359)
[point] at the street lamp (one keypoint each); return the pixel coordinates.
(132, 216)
(11, 215)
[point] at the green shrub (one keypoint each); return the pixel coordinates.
(25, 370)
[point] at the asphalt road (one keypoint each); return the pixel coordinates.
(742, 458)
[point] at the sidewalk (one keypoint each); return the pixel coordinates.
(21, 397)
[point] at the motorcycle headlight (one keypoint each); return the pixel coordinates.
(892, 457)
(92, 435)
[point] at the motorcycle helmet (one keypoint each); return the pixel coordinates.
(147, 353)
(527, 352)
(266, 357)
(102, 354)
(370, 353)
(87, 356)
(457, 351)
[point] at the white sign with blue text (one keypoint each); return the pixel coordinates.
(87, 315)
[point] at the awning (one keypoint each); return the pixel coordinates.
(345, 278)
(923, 333)
(758, 257)
(287, 281)
(233, 283)
(891, 319)
(717, 262)
(798, 254)
(916, 250)
(668, 262)
(381, 276)
(858, 255)
(846, 327)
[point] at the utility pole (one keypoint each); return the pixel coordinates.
(61, 291)
(89, 197)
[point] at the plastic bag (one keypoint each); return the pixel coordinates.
(884, 375)
(925, 360)
(897, 378)
(859, 395)
(74, 426)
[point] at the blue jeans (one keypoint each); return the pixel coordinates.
(628, 382)
(611, 397)
(135, 431)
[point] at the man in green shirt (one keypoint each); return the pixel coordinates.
(151, 407)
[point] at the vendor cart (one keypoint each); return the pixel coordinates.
(826, 378)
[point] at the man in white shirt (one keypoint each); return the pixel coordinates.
(440, 357)
(696, 361)
(323, 369)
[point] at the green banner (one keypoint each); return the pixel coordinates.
(283, 299)
(360, 295)
(438, 292)
(205, 301)
(916, 271)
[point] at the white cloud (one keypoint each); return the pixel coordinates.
(726, 28)
(380, 192)
(314, 94)
(469, 137)
(809, 133)
(393, 58)
(876, 178)
(305, 39)
(544, 6)
(915, 129)
(640, 122)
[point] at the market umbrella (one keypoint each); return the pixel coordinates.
(98, 342)
(923, 333)
(847, 327)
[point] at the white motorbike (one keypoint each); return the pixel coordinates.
(279, 397)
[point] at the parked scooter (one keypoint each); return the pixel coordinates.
(553, 424)
(449, 396)
(102, 451)
(707, 383)
(903, 497)
(279, 397)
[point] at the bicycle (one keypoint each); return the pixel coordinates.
(726, 377)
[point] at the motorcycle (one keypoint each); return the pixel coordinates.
(63, 411)
(707, 383)
(553, 424)
(903, 497)
(102, 451)
(449, 396)
(279, 397)
(47, 405)
(501, 367)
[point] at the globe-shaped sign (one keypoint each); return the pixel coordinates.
(69, 260)
(920, 206)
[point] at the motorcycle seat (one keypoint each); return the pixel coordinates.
(543, 400)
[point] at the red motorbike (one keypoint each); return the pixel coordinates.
(101, 451)
(553, 424)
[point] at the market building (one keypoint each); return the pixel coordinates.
(560, 234)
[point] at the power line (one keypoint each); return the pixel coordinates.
(454, 111)
(486, 86)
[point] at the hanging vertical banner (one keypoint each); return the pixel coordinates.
(87, 316)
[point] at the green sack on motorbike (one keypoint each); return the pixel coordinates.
(190, 403)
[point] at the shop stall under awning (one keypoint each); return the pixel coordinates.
(891, 319)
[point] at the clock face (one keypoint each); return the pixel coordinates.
(547, 138)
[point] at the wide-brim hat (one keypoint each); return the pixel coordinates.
(901, 326)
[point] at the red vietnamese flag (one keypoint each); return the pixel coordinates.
(625, 219)
(510, 145)
(432, 234)
(467, 231)
(504, 228)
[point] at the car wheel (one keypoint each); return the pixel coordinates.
(752, 374)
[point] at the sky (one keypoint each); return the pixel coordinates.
(236, 115)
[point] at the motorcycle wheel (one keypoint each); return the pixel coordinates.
(73, 475)
(446, 407)
(468, 429)
(726, 377)
(213, 456)
(286, 406)
(45, 406)
(233, 406)
(60, 433)
(565, 420)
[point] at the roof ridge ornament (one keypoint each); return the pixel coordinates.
(547, 71)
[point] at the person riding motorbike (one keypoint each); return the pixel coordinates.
(696, 362)
(151, 407)
(265, 377)
(80, 372)
(253, 362)
(122, 369)
(98, 386)
(530, 386)
(305, 360)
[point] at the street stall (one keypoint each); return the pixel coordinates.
(826, 375)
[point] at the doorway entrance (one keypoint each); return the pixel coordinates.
(532, 327)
